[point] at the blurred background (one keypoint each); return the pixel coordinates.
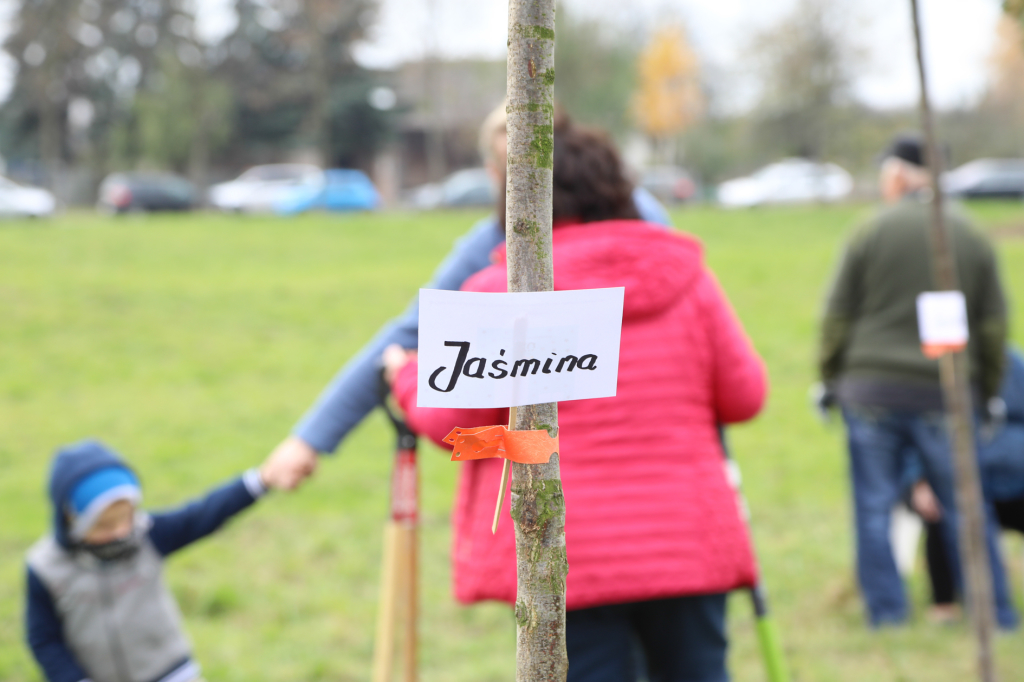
(695, 93)
(193, 342)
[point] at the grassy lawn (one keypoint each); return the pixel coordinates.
(192, 344)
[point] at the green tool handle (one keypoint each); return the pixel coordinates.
(768, 637)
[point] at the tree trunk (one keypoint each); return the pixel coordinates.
(50, 139)
(538, 506)
(199, 149)
(957, 395)
(437, 158)
(319, 121)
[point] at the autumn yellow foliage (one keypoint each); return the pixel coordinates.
(669, 99)
(1007, 65)
(1015, 8)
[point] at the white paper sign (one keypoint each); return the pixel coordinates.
(504, 350)
(942, 318)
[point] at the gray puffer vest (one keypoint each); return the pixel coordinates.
(119, 619)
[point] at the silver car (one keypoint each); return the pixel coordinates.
(263, 188)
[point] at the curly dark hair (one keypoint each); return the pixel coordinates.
(590, 183)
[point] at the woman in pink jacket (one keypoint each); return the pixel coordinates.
(654, 533)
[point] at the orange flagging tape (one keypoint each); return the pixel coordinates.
(934, 351)
(483, 442)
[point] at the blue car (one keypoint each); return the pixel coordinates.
(341, 190)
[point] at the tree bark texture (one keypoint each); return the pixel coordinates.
(960, 413)
(538, 506)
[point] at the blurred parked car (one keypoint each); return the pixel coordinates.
(670, 184)
(142, 191)
(19, 200)
(467, 187)
(987, 179)
(342, 190)
(788, 181)
(262, 188)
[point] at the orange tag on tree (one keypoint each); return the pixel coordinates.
(484, 442)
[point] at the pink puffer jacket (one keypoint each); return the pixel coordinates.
(650, 513)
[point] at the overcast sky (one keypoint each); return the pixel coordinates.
(958, 36)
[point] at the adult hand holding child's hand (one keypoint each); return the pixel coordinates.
(295, 460)
(291, 462)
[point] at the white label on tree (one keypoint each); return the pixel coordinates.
(504, 350)
(942, 319)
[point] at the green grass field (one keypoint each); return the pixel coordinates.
(193, 343)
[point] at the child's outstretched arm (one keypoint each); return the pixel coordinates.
(180, 527)
(45, 636)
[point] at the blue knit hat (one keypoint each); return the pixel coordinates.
(94, 493)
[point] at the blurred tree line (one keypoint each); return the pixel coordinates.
(803, 71)
(116, 84)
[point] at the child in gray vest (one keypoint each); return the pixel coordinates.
(97, 608)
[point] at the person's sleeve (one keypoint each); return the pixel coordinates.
(649, 208)
(436, 422)
(354, 391)
(992, 327)
(177, 528)
(46, 637)
(841, 310)
(739, 376)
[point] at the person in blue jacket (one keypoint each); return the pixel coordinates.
(97, 608)
(354, 392)
(1001, 460)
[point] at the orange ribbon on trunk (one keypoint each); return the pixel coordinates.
(483, 442)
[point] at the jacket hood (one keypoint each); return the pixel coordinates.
(1013, 386)
(655, 265)
(70, 465)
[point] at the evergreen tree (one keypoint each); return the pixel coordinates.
(296, 84)
(147, 92)
(52, 43)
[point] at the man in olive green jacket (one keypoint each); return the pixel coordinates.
(871, 361)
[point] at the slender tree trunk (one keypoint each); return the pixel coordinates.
(956, 391)
(321, 16)
(437, 159)
(538, 506)
(50, 139)
(199, 149)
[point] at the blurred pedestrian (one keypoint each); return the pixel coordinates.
(654, 534)
(1002, 469)
(872, 363)
(97, 608)
(354, 391)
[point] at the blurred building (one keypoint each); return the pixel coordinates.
(441, 105)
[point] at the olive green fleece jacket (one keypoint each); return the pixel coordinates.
(870, 324)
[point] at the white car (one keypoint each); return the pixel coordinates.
(264, 188)
(18, 200)
(790, 181)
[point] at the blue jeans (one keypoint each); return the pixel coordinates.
(673, 640)
(880, 440)
(1002, 461)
